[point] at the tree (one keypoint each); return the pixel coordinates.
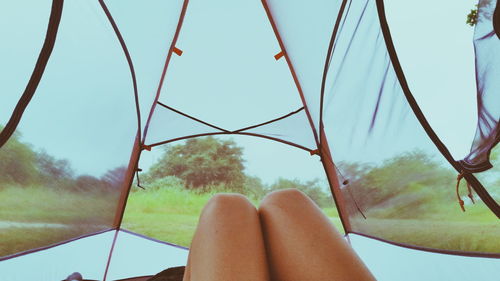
(311, 188)
(53, 170)
(254, 188)
(405, 185)
(202, 162)
(85, 183)
(473, 16)
(17, 162)
(114, 178)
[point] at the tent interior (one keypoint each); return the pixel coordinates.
(386, 113)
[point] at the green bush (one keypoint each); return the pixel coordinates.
(311, 188)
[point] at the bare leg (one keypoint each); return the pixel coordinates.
(302, 244)
(228, 244)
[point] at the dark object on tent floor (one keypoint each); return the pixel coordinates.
(170, 274)
(75, 276)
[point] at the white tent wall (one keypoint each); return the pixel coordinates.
(87, 255)
(133, 255)
(148, 30)
(393, 263)
(306, 50)
(136, 255)
(20, 48)
(372, 120)
(80, 124)
(150, 44)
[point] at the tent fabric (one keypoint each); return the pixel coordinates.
(86, 255)
(89, 256)
(132, 251)
(210, 108)
(472, 180)
(149, 50)
(214, 42)
(79, 135)
(306, 50)
(488, 89)
(115, 59)
(28, 93)
(168, 125)
(27, 47)
(379, 127)
(391, 263)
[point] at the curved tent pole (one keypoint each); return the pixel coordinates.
(478, 187)
(292, 70)
(36, 76)
(132, 166)
(321, 141)
(129, 61)
(328, 60)
(137, 148)
(138, 144)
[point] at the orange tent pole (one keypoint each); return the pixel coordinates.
(321, 141)
(331, 172)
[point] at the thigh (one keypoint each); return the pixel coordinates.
(302, 243)
(228, 243)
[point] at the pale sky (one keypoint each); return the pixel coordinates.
(235, 63)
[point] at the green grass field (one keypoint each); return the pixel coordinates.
(171, 214)
(463, 236)
(38, 204)
(34, 216)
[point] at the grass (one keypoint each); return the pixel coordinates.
(18, 239)
(39, 204)
(171, 214)
(451, 235)
(74, 214)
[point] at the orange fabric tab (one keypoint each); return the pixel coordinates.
(177, 51)
(279, 55)
(314, 152)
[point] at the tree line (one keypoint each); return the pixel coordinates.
(408, 185)
(207, 164)
(21, 165)
(411, 184)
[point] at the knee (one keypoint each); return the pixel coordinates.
(225, 203)
(284, 197)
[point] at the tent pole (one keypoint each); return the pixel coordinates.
(322, 144)
(125, 190)
(331, 173)
(127, 183)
